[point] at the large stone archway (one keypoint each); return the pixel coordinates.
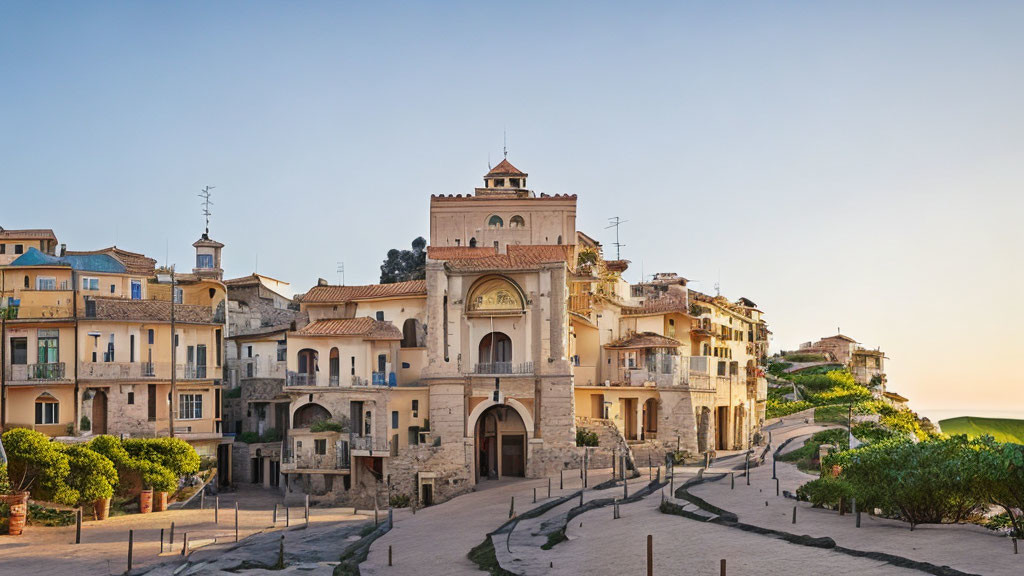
(499, 444)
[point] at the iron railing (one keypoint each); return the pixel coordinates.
(504, 368)
(46, 371)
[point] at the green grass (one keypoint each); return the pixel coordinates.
(1002, 429)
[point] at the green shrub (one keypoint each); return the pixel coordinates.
(400, 500)
(826, 492)
(85, 424)
(36, 464)
(248, 437)
(775, 408)
(156, 477)
(586, 437)
(92, 476)
(235, 392)
(5, 481)
(779, 368)
(172, 453)
(327, 426)
(271, 435)
(869, 432)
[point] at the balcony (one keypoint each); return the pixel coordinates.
(503, 368)
(121, 370)
(190, 372)
(337, 458)
(370, 446)
(303, 379)
(259, 368)
(32, 373)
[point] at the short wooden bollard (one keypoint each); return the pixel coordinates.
(376, 515)
(842, 506)
(776, 486)
(650, 555)
(625, 488)
(1014, 545)
(723, 567)
(853, 506)
(615, 456)
(549, 487)
(131, 546)
(534, 495)
(161, 540)
(774, 476)
(794, 514)
(615, 511)
(858, 519)
(287, 516)
(561, 479)
(581, 498)
(748, 473)
(216, 510)
(184, 544)
(170, 542)
(512, 508)
(307, 508)
(389, 555)
(236, 521)
(280, 554)
(275, 513)
(78, 527)
(732, 480)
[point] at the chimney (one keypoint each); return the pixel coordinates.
(63, 250)
(321, 282)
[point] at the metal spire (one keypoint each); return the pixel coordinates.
(205, 195)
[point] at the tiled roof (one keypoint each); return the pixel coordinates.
(459, 252)
(519, 257)
(644, 340)
(35, 233)
(149, 310)
(505, 168)
(840, 337)
(134, 262)
(84, 262)
(337, 294)
(368, 328)
(461, 197)
(662, 305)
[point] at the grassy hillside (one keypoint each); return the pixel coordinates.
(1002, 429)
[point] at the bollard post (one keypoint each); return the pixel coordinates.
(748, 472)
(732, 480)
(586, 467)
(615, 456)
(216, 510)
(171, 541)
(581, 498)
(307, 507)
(512, 508)
(202, 499)
(275, 513)
(161, 540)
(184, 545)
(534, 495)
(650, 555)
(776, 486)
(723, 567)
(853, 506)
(707, 460)
(131, 545)
(389, 555)
(549, 487)
(78, 527)
(1014, 545)
(858, 519)
(561, 479)
(672, 484)
(280, 554)
(236, 521)
(774, 475)
(376, 517)
(287, 516)
(794, 514)
(622, 465)
(677, 443)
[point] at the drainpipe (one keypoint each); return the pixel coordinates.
(74, 348)
(174, 364)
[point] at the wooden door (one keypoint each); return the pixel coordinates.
(99, 412)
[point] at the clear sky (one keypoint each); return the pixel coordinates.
(851, 166)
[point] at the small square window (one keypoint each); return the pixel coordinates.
(18, 248)
(380, 315)
(131, 397)
(320, 446)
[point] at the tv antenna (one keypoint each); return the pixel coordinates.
(205, 195)
(718, 284)
(615, 222)
(504, 146)
(341, 272)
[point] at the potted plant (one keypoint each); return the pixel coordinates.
(166, 460)
(33, 462)
(13, 507)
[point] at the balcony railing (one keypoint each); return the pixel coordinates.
(191, 371)
(504, 368)
(119, 370)
(337, 458)
(302, 379)
(370, 444)
(45, 372)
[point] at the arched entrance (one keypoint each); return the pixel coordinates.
(99, 412)
(308, 414)
(650, 425)
(500, 440)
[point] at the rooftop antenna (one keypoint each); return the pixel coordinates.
(205, 195)
(615, 223)
(718, 284)
(341, 272)
(504, 147)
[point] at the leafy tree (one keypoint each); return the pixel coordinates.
(404, 265)
(36, 464)
(1001, 478)
(162, 461)
(92, 476)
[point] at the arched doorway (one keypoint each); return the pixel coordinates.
(496, 350)
(410, 329)
(99, 412)
(308, 414)
(650, 423)
(307, 367)
(500, 439)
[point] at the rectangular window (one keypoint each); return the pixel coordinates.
(394, 420)
(151, 335)
(90, 283)
(282, 351)
(18, 248)
(320, 446)
(190, 406)
(131, 397)
(3, 248)
(19, 350)
(415, 408)
(49, 348)
(113, 288)
(248, 351)
(151, 402)
(131, 348)
(136, 289)
(353, 365)
(179, 296)
(46, 283)
(380, 315)
(108, 356)
(47, 413)
(217, 339)
(204, 260)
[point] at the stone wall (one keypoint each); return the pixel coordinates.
(122, 417)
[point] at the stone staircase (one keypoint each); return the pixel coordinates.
(609, 442)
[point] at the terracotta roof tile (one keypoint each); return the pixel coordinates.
(368, 328)
(459, 252)
(469, 197)
(338, 294)
(148, 310)
(35, 233)
(505, 168)
(662, 305)
(644, 340)
(519, 257)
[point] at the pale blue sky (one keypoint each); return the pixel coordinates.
(852, 166)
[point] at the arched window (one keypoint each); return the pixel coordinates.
(47, 409)
(335, 361)
(496, 349)
(517, 222)
(410, 328)
(559, 240)
(309, 414)
(495, 295)
(472, 242)
(308, 368)
(495, 222)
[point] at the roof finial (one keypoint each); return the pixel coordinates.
(205, 195)
(504, 148)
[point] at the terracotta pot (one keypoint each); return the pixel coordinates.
(160, 501)
(836, 470)
(101, 509)
(145, 502)
(19, 512)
